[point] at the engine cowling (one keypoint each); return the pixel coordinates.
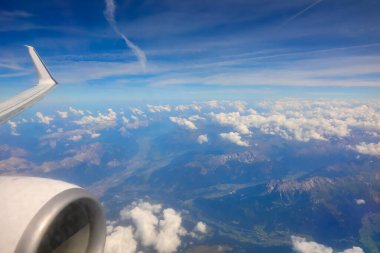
(39, 215)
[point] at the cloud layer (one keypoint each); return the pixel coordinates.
(304, 120)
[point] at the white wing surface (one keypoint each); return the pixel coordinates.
(22, 101)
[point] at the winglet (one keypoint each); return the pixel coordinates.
(44, 76)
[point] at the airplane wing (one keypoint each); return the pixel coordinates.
(22, 101)
(40, 215)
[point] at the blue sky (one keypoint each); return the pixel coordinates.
(211, 45)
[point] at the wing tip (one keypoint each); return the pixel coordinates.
(44, 76)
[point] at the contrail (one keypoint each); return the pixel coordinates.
(109, 14)
(301, 12)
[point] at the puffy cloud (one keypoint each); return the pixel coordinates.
(195, 118)
(13, 126)
(243, 129)
(145, 220)
(162, 234)
(159, 108)
(63, 115)
(234, 137)
(199, 230)
(368, 148)
(75, 138)
(75, 111)
(353, 250)
(194, 106)
(60, 134)
(95, 135)
(153, 227)
(43, 119)
(170, 230)
(201, 227)
(120, 240)
(99, 122)
(360, 201)
(239, 105)
(183, 122)
(300, 245)
(202, 138)
(212, 104)
(137, 111)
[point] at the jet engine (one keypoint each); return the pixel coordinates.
(39, 215)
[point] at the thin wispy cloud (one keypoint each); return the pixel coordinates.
(300, 13)
(109, 14)
(6, 15)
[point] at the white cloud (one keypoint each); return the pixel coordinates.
(242, 129)
(159, 108)
(75, 111)
(162, 234)
(212, 104)
(75, 138)
(234, 105)
(300, 245)
(183, 122)
(145, 220)
(234, 137)
(353, 250)
(13, 126)
(195, 118)
(194, 106)
(63, 115)
(199, 231)
(360, 201)
(43, 119)
(154, 227)
(170, 231)
(137, 111)
(202, 138)
(368, 148)
(60, 134)
(99, 122)
(120, 240)
(95, 135)
(201, 227)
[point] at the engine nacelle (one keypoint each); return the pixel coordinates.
(39, 215)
